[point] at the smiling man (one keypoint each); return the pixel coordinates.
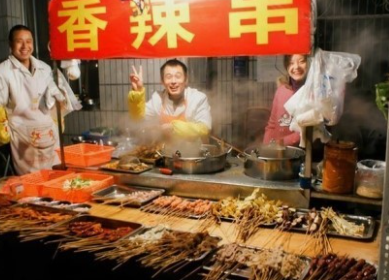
(180, 111)
(28, 92)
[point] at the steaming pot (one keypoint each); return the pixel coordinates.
(273, 163)
(201, 160)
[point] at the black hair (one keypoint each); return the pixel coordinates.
(16, 28)
(288, 58)
(174, 62)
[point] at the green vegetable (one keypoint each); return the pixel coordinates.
(76, 183)
(382, 95)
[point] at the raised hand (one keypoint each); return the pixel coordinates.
(136, 79)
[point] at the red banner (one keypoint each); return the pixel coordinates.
(95, 29)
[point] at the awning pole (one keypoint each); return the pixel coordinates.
(62, 166)
(308, 151)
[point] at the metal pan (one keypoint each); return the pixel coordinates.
(116, 191)
(105, 223)
(113, 166)
(192, 259)
(368, 222)
(150, 208)
(244, 272)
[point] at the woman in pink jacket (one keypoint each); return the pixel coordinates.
(278, 126)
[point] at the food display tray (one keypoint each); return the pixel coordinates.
(232, 220)
(368, 222)
(111, 167)
(105, 223)
(150, 208)
(45, 209)
(58, 204)
(116, 191)
(193, 259)
(244, 272)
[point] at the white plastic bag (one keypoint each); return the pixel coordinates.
(320, 101)
(332, 71)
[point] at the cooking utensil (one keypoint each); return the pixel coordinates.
(205, 159)
(270, 164)
(222, 143)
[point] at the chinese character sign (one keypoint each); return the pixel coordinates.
(95, 29)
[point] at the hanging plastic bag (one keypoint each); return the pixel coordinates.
(320, 101)
(5, 138)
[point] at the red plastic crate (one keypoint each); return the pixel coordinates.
(55, 188)
(85, 154)
(33, 182)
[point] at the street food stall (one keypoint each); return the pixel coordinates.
(200, 184)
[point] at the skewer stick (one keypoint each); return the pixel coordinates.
(220, 140)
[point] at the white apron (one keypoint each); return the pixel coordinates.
(31, 96)
(33, 146)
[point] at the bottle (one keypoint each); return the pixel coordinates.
(305, 183)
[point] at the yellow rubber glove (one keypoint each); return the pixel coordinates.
(4, 129)
(189, 129)
(137, 104)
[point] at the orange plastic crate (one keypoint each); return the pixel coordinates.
(33, 182)
(85, 154)
(55, 188)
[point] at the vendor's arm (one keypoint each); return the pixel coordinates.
(53, 92)
(137, 95)
(137, 104)
(273, 129)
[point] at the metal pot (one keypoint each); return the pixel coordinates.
(273, 164)
(204, 159)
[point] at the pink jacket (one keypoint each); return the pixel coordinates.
(279, 121)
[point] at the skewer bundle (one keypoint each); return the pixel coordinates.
(133, 198)
(333, 267)
(255, 264)
(21, 218)
(172, 248)
(174, 206)
(248, 214)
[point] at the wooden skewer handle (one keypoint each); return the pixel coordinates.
(220, 140)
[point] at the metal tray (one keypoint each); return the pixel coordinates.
(41, 208)
(105, 223)
(109, 167)
(231, 220)
(80, 207)
(195, 259)
(368, 222)
(244, 272)
(116, 191)
(150, 208)
(61, 204)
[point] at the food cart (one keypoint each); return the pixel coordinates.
(229, 182)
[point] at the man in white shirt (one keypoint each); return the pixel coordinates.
(28, 92)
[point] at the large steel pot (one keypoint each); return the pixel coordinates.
(200, 160)
(273, 164)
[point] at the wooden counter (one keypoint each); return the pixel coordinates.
(290, 242)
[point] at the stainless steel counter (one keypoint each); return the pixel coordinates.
(229, 182)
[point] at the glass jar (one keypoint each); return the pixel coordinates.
(339, 165)
(369, 179)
